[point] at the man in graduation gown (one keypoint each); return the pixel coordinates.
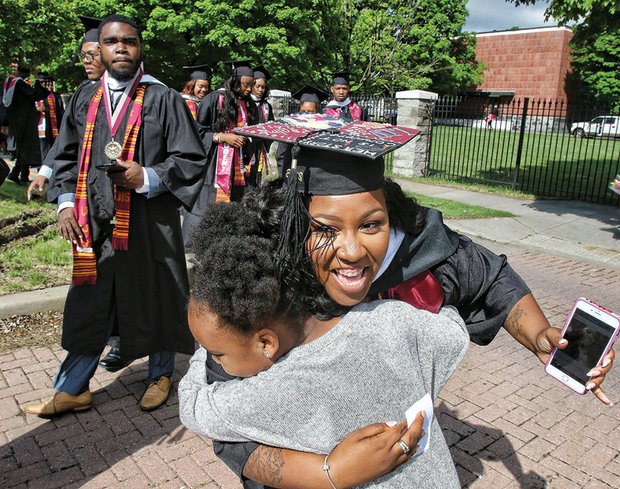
(19, 98)
(129, 265)
(88, 54)
(341, 105)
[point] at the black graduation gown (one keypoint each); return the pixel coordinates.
(47, 142)
(479, 283)
(148, 283)
(23, 122)
(206, 119)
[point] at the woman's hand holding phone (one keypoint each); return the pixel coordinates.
(373, 451)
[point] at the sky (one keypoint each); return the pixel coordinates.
(489, 15)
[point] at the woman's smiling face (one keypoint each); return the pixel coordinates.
(348, 243)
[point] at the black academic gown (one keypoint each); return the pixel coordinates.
(23, 123)
(206, 119)
(479, 283)
(47, 142)
(147, 285)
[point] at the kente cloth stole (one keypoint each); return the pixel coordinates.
(193, 107)
(230, 169)
(84, 258)
(51, 100)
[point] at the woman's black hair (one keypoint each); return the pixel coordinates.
(227, 115)
(403, 211)
(235, 274)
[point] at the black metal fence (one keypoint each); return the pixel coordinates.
(542, 147)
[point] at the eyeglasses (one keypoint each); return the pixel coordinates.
(88, 57)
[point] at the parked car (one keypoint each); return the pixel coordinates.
(602, 126)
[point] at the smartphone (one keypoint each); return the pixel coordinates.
(110, 167)
(591, 331)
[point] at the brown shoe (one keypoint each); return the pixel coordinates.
(156, 394)
(61, 403)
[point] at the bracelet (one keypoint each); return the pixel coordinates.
(326, 470)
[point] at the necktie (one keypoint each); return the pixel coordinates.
(115, 96)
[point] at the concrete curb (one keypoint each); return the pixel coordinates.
(52, 299)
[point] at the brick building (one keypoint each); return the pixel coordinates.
(531, 63)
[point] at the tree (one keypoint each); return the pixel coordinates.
(595, 44)
(405, 44)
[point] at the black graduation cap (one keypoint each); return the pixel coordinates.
(240, 68)
(199, 72)
(91, 26)
(340, 78)
(310, 94)
(261, 72)
(44, 76)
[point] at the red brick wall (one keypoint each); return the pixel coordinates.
(532, 62)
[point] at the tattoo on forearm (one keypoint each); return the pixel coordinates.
(265, 465)
(512, 321)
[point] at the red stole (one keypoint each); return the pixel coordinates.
(84, 258)
(422, 291)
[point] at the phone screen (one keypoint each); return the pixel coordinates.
(587, 339)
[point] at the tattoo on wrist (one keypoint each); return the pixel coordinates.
(512, 321)
(265, 465)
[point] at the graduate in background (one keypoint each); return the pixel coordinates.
(231, 159)
(198, 86)
(310, 99)
(341, 105)
(260, 94)
(51, 110)
(19, 98)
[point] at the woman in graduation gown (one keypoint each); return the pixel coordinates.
(197, 88)
(231, 164)
(426, 264)
(260, 94)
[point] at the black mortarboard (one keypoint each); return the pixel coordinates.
(310, 94)
(91, 24)
(340, 78)
(261, 72)
(241, 68)
(43, 76)
(199, 72)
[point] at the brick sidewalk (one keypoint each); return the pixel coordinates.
(508, 425)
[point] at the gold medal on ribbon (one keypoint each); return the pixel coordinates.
(113, 150)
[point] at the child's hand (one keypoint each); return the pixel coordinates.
(372, 451)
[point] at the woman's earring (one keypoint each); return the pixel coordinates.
(267, 353)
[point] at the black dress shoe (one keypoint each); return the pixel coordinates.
(113, 361)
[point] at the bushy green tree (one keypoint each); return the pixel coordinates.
(596, 43)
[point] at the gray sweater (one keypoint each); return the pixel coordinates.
(371, 367)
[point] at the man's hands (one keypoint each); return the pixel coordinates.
(69, 227)
(38, 184)
(551, 338)
(130, 179)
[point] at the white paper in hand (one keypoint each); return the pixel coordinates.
(426, 405)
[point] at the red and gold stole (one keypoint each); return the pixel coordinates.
(229, 159)
(192, 105)
(84, 258)
(51, 100)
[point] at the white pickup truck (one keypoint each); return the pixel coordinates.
(605, 126)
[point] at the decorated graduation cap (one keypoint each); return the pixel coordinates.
(240, 68)
(340, 78)
(310, 94)
(91, 26)
(331, 156)
(262, 72)
(199, 72)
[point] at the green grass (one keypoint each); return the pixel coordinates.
(33, 262)
(552, 165)
(457, 210)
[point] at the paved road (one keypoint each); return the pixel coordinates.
(507, 424)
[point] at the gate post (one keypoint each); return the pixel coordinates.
(279, 101)
(515, 178)
(415, 109)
